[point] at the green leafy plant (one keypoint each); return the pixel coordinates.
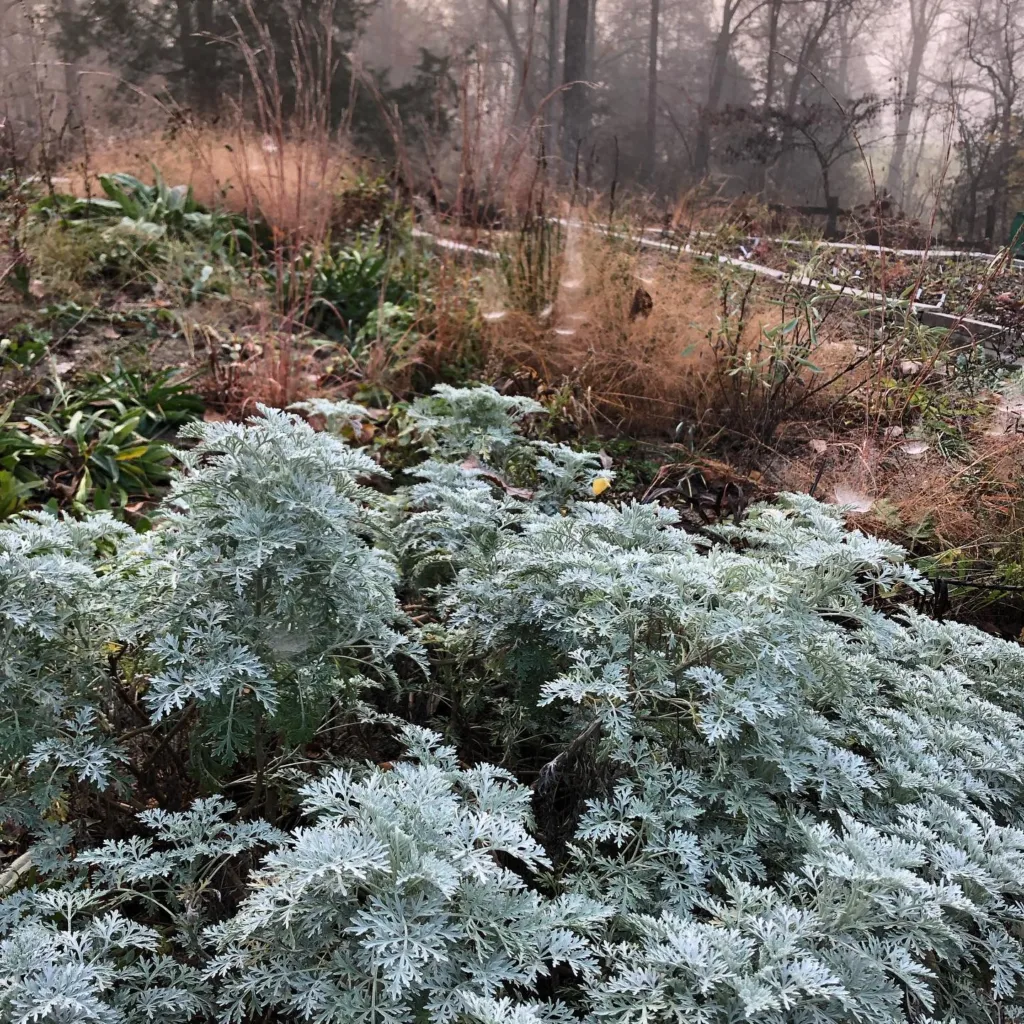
(21, 459)
(944, 417)
(338, 291)
(94, 457)
(763, 381)
(161, 399)
(104, 457)
(24, 346)
(138, 237)
(99, 444)
(148, 212)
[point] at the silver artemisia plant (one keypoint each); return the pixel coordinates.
(810, 810)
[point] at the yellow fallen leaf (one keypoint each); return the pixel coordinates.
(600, 485)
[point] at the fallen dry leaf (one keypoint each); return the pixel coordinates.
(485, 474)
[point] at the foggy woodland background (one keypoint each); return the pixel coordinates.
(791, 100)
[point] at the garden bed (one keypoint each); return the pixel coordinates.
(969, 284)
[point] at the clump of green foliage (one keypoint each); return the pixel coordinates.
(138, 246)
(785, 803)
(137, 238)
(100, 444)
(352, 292)
(147, 211)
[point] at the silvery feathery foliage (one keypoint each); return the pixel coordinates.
(331, 410)
(811, 811)
(483, 426)
(481, 1010)
(396, 905)
(73, 954)
(472, 421)
(260, 598)
(840, 788)
(455, 509)
(177, 863)
(460, 500)
(564, 474)
(337, 415)
(281, 602)
(63, 960)
(57, 600)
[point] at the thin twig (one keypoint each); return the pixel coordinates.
(550, 771)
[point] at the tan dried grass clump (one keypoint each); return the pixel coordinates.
(292, 183)
(642, 372)
(972, 505)
(638, 371)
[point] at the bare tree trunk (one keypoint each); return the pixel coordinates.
(774, 12)
(922, 20)
(507, 17)
(894, 179)
(995, 46)
(554, 23)
(72, 83)
(201, 97)
(1001, 193)
(843, 84)
(211, 76)
(801, 71)
(575, 103)
(591, 40)
(651, 138)
(916, 165)
(716, 86)
(732, 21)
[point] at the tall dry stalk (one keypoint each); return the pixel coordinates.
(298, 157)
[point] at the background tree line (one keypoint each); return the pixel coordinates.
(791, 100)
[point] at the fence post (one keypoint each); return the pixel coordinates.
(832, 214)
